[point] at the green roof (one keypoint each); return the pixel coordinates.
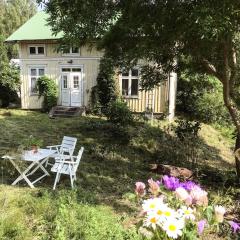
(35, 28)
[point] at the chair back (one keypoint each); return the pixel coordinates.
(68, 145)
(79, 156)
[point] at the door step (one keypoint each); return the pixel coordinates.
(61, 111)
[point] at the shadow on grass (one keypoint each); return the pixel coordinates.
(109, 167)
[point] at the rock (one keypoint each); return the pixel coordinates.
(172, 171)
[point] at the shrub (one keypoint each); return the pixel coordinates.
(106, 86)
(201, 97)
(118, 113)
(48, 89)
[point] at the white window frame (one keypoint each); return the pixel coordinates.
(130, 78)
(70, 53)
(36, 48)
(37, 76)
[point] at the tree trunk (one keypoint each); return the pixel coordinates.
(237, 160)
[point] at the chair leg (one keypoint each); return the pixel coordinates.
(71, 178)
(56, 180)
(59, 177)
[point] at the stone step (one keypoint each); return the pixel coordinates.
(60, 111)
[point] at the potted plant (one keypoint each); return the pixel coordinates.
(33, 143)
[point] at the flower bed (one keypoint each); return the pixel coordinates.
(172, 209)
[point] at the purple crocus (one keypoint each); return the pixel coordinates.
(170, 183)
(200, 226)
(235, 226)
(188, 185)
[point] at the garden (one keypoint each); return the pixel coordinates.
(104, 204)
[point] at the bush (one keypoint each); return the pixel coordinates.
(201, 97)
(48, 89)
(118, 113)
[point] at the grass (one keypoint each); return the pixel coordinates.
(100, 207)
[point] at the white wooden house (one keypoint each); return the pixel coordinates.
(75, 71)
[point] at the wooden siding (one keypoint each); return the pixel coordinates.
(160, 100)
(89, 60)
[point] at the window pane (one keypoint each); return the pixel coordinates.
(125, 73)
(66, 50)
(33, 72)
(75, 82)
(33, 85)
(65, 82)
(125, 87)
(41, 71)
(66, 69)
(40, 50)
(134, 87)
(76, 69)
(135, 72)
(32, 50)
(75, 50)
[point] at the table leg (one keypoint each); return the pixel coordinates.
(22, 174)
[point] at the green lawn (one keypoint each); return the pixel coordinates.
(100, 206)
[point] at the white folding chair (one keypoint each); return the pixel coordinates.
(66, 148)
(67, 167)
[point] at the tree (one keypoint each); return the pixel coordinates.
(202, 31)
(13, 13)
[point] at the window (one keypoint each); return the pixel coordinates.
(71, 51)
(35, 73)
(76, 82)
(36, 50)
(129, 82)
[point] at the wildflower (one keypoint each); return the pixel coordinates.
(169, 213)
(219, 213)
(181, 193)
(151, 221)
(171, 183)
(235, 226)
(153, 187)
(140, 189)
(152, 204)
(188, 185)
(199, 196)
(173, 227)
(186, 213)
(200, 226)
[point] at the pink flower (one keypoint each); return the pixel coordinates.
(199, 196)
(140, 189)
(183, 195)
(153, 187)
(235, 226)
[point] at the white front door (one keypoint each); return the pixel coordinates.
(71, 89)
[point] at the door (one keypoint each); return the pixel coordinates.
(72, 89)
(76, 95)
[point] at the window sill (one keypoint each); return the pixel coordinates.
(131, 97)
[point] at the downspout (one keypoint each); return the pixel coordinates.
(172, 95)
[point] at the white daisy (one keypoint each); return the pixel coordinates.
(170, 213)
(151, 204)
(151, 220)
(186, 213)
(173, 227)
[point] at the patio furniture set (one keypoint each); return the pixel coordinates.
(64, 162)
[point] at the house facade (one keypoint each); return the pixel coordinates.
(75, 72)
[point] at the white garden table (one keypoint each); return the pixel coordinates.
(37, 160)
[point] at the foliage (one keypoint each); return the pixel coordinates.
(133, 30)
(178, 210)
(105, 91)
(99, 207)
(200, 97)
(48, 89)
(118, 113)
(12, 15)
